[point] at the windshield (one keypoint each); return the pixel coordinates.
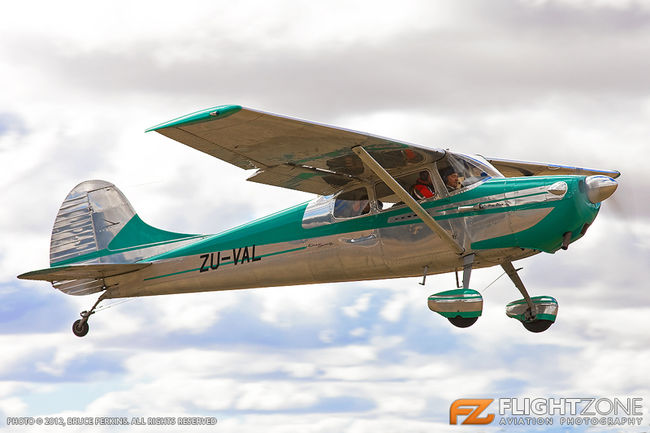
(460, 171)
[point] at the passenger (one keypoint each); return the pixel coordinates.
(423, 187)
(363, 204)
(345, 208)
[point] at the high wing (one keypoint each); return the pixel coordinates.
(512, 168)
(292, 153)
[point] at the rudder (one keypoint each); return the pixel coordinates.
(90, 217)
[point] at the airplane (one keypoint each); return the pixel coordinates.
(366, 222)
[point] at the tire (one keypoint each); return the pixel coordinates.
(537, 325)
(80, 329)
(462, 322)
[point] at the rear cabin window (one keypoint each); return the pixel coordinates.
(351, 204)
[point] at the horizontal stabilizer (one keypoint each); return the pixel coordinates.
(77, 272)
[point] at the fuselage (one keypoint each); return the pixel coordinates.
(496, 218)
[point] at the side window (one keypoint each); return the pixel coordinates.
(352, 203)
(386, 198)
(417, 184)
(461, 171)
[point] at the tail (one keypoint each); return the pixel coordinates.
(97, 234)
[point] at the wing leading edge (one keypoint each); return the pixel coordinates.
(292, 153)
(513, 168)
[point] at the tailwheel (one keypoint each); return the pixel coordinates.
(80, 327)
(538, 325)
(462, 322)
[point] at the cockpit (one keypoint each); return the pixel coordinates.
(452, 174)
(468, 169)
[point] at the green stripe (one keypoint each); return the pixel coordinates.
(218, 112)
(224, 263)
(286, 225)
(107, 252)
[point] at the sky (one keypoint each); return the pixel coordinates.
(562, 81)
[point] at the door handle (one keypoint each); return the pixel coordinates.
(362, 239)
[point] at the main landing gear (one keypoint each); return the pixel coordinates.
(463, 306)
(80, 326)
(538, 313)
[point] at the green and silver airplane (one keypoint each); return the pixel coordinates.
(385, 209)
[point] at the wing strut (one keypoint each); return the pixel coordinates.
(407, 199)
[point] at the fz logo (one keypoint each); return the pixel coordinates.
(472, 408)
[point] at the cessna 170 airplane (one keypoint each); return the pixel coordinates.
(368, 222)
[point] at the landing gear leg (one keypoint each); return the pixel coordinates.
(468, 261)
(80, 326)
(529, 317)
(514, 276)
(458, 321)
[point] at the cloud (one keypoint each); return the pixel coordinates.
(432, 61)
(361, 304)
(560, 81)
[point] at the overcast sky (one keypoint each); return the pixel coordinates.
(563, 81)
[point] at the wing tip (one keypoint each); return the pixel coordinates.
(218, 112)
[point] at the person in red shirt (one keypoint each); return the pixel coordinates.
(423, 187)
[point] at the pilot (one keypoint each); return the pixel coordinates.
(450, 177)
(423, 187)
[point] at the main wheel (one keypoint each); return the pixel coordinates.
(462, 322)
(537, 325)
(80, 329)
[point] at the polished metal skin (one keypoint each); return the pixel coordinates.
(600, 188)
(457, 303)
(364, 226)
(394, 251)
(401, 248)
(544, 308)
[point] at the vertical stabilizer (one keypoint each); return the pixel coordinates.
(90, 217)
(96, 225)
